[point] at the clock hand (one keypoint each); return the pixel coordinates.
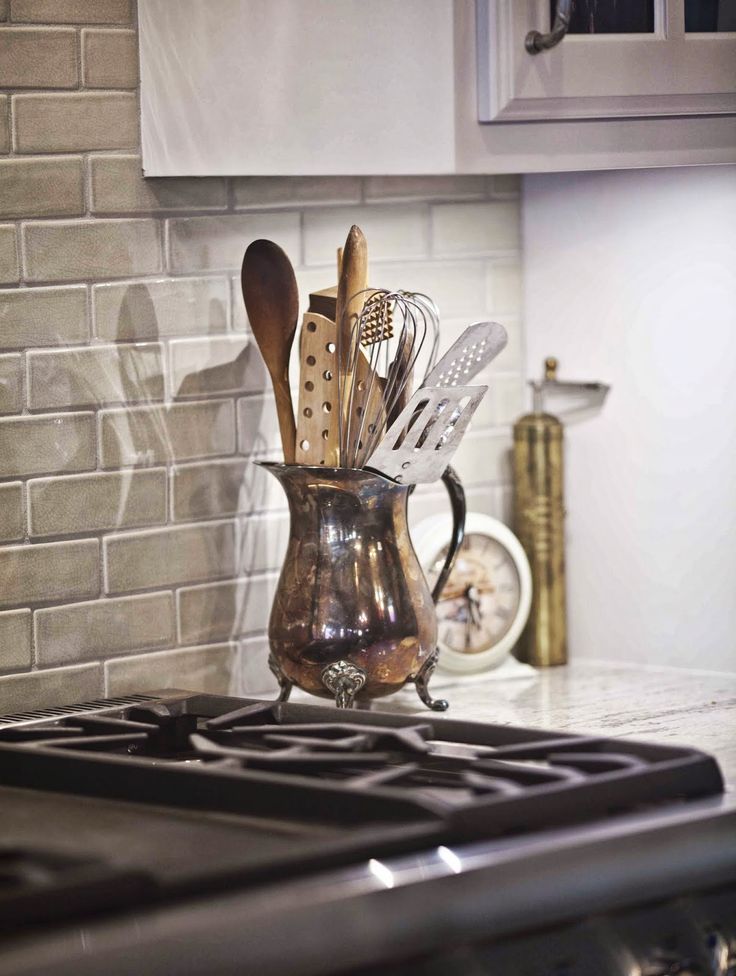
(468, 622)
(473, 606)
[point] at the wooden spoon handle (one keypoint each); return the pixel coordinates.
(285, 414)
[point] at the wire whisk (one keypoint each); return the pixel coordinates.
(384, 348)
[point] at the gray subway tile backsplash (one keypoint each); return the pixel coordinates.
(72, 11)
(167, 557)
(74, 122)
(54, 572)
(54, 442)
(97, 375)
(151, 307)
(210, 669)
(47, 688)
(37, 57)
(9, 263)
(140, 543)
(12, 526)
(118, 186)
(10, 384)
(81, 504)
(73, 251)
(109, 58)
(41, 186)
(15, 640)
(104, 628)
(179, 432)
(33, 317)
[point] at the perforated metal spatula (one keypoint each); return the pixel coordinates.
(420, 443)
(467, 356)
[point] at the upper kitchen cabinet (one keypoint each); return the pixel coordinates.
(296, 87)
(323, 87)
(605, 59)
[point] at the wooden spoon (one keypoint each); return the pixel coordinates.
(272, 303)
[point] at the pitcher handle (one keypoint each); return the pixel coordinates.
(459, 508)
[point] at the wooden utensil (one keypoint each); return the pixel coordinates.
(352, 282)
(272, 302)
(317, 439)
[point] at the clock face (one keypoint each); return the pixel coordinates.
(481, 599)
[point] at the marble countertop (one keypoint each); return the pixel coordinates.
(659, 704)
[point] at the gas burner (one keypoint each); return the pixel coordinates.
(206, 798)
(276, 758)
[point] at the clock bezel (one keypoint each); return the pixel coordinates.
(430, 537)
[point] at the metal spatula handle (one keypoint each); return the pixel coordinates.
(473, 351)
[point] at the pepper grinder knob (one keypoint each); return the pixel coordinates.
(550, 368)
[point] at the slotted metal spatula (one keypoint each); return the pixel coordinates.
(420, 443)
(467, 356)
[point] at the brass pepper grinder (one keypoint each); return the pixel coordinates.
(539, 511)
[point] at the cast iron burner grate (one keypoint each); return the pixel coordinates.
(311, 764)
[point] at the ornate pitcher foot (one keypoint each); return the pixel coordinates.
(285, 685)
(421, 682)
(344, 680)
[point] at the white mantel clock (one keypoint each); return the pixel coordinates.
(485, 603)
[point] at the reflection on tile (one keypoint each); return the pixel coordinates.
(103, 628)
(258, 425)
(154, 307)
(255, 676)
(198, 243)
(102, 374)
(10, 384)
(263, 541)
(151, 435)
(222, 364)
(90, 502)
(42, 445)
(209, 489)
(219, 611)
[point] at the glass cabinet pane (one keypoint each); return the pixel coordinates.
(707, 16)
(609, 16)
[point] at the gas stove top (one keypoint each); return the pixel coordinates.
(165, 798)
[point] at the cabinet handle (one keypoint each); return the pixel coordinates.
(536, 41)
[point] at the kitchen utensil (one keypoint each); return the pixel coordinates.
(391, 331)
(418, 446)
(539, 512)
(272, 302)
(352, 617)
(467, 356)
(317, 438)
(351, 287)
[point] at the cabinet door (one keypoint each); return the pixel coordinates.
(296, 87)
(620, 59)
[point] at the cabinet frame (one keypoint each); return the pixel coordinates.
(665, 73)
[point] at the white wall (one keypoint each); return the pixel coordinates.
(631, 278)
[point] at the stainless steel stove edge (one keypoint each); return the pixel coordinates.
(487, 891)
